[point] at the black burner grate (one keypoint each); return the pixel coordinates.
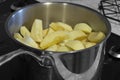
(110, 9)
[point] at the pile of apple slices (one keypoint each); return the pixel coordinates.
(59, 36)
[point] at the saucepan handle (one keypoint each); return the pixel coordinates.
(68, 75)
(7, 57)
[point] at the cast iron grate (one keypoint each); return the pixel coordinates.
(110, 9)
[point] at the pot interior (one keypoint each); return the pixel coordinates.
(54, 12)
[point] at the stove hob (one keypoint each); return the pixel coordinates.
(17, 68)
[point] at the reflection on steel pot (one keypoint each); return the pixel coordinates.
(75, 65)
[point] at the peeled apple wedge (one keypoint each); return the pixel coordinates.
(47, 31)
(52, 48)
(75, 44)
(60, 26)
(37, 30)
(59, 36)
(89, 44)
(24, 31)
(84, 41)
(20, 40)
(63, 42)
(17, 36)
(50, 30)
(44, 32)
(29, 41)
(77, 35)
(83, 27)
(53, 38)
(63, 49)
(96, 36)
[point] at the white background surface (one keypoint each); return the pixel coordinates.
(94, 5)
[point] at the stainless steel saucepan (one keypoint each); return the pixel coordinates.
(74, 65)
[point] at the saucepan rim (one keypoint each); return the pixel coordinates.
(62, 3)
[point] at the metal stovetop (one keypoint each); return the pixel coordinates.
(18, 69)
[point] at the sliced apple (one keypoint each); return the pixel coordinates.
(52, 48)
(63, 49)
(84, 41)
(83, 27)
(29, 41)
(60, 26)
(75, 44)
(89, 44)
(63, 42)
(50, 30)
(77, 35)
(96, 36)
(18, 36)
(45, 31)
(53, 38)
(24, 31)
(37, 30)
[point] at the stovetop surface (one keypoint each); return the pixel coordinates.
(14, 69)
